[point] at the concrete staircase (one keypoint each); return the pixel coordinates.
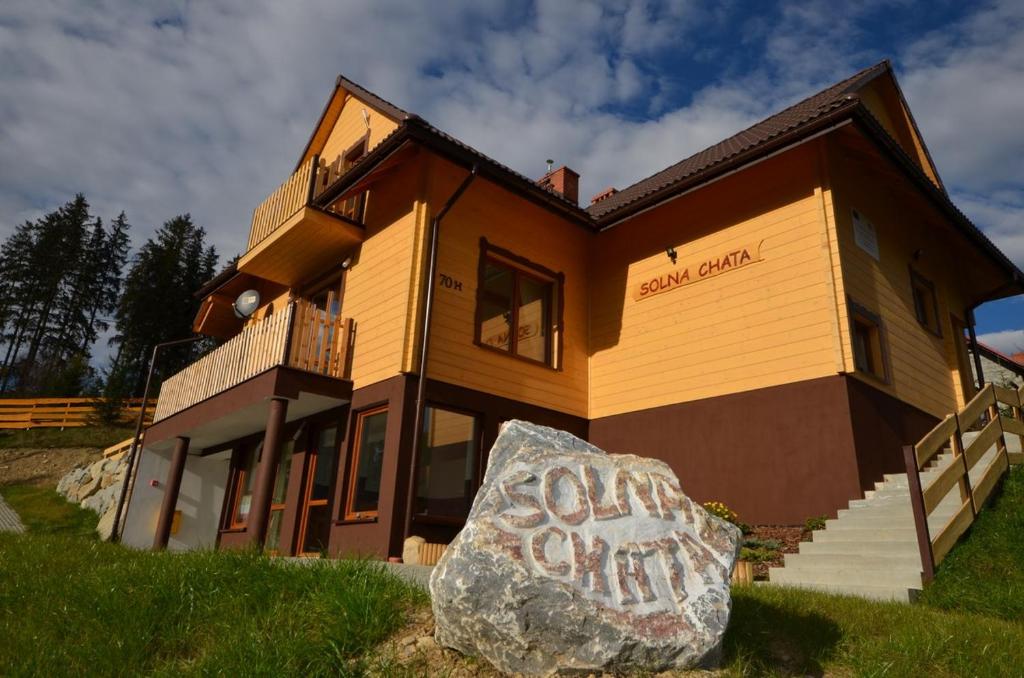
(870, 549)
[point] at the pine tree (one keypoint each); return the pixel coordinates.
(158, 304)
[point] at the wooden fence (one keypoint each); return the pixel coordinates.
(25, 413)
(301, 336)
(992, 413)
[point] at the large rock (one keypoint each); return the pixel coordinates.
(576, 560)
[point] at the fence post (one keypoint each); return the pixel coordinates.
(924, 540)
(958, 453)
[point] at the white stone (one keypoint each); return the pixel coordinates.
(576, 560)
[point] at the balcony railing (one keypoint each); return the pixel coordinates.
(302, 336)
(297, 192)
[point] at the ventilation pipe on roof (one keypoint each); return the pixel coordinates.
(425, 317)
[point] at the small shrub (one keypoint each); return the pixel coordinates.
(758, 555)
(758, 543)
(815, 523)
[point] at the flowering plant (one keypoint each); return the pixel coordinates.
(717, 508)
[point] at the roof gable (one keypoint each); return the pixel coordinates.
(343, 89)
(884, 99)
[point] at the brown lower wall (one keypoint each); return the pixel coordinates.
(882, 425)
(775, 455)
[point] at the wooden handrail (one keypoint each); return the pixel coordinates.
(313, 343)
(291, 196)
(982, 411)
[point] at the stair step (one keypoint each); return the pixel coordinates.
(898, 560)
(903, 548)
(866, 534)
(847, 574)
(881, 593)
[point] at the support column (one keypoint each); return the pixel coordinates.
(259, 513)
(171, 487)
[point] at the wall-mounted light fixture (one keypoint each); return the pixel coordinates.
(671, 252)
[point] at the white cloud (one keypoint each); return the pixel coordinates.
(1007, 342)
(203, 107)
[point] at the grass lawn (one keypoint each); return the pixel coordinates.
(73, 605)
(985, 572)
(85, 436)
(69, 606)
(43, 511)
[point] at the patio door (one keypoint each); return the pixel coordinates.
(279, 498)
(315, 512)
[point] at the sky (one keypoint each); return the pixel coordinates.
(164, 107)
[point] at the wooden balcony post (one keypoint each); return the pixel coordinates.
(262, 493)
(171, 488)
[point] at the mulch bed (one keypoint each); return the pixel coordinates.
(788, 536)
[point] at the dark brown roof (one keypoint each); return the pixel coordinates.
(795, 116)
(372, 99)
(818, 112)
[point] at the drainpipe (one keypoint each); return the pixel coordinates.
(425, 317)
(974, 348)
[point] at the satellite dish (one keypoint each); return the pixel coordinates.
(246, 303)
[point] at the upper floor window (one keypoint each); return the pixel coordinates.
(926, 305)
(354, 207)
(869, 352)
(518, 306)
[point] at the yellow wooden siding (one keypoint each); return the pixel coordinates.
(765, 324)
(377, 284)
(350, 128)
(923, 369)
(528, 231)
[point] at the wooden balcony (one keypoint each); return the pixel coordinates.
(290, 237)
(301, 336)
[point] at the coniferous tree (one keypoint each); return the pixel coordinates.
(59, 280)
(158, 304)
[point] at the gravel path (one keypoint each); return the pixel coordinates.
(9, 520)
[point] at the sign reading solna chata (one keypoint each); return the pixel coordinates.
(696, 271)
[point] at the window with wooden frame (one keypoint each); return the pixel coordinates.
(314, 530)
(869, 351)
(244, 481)
(367, 464)
(926, 304)
(353, 207)
(447, 466)
(519, 307)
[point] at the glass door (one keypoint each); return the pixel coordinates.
(279, 498)
(314, 530)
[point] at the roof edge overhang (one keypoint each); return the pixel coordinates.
(937, 195)
(415, 130)
(853, 110)
(795, 137)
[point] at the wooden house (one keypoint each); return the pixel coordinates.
(774, 316)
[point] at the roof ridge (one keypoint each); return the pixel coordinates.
(844, 86)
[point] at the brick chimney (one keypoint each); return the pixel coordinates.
(603, 195)
(562, 180)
